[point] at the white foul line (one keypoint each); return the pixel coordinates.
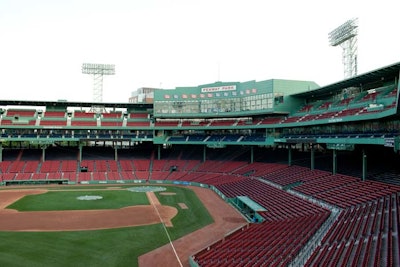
(166, 231)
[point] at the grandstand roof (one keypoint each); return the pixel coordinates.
(71, 104)
(372, 76)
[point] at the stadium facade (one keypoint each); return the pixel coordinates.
(350, 127)
(362, 110)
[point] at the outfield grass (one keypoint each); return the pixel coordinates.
(112, 247)
(184, 222)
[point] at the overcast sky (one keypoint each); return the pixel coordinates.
(175, 43)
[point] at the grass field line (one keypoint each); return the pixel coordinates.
(154, 202)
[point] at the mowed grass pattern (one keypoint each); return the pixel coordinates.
(111, 247)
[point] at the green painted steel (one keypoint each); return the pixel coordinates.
(228, 99)
(251, 204)
(245, 103)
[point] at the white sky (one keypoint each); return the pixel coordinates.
(175, 43)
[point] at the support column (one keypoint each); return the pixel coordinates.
(80, 152)
(364, 165)
(251, 154)
(116, 152)
(312, 157)
(290, 155)
(43, 153)
(334, 162)
(159, 152)
(1, 152)
(204, 153)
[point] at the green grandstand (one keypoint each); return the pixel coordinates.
(327, 153)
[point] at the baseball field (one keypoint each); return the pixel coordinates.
(107, 226)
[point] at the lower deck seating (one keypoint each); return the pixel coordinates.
(266, 244)
(364, 234)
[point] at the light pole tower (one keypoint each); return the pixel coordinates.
(346, 36)
(98, 70)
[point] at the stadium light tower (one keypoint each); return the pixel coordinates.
(98, 70)
(346, 36)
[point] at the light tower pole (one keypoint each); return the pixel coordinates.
(98, 70)
(346, 36)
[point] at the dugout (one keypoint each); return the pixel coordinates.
(249, 208)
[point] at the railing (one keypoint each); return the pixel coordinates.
(308, 249)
